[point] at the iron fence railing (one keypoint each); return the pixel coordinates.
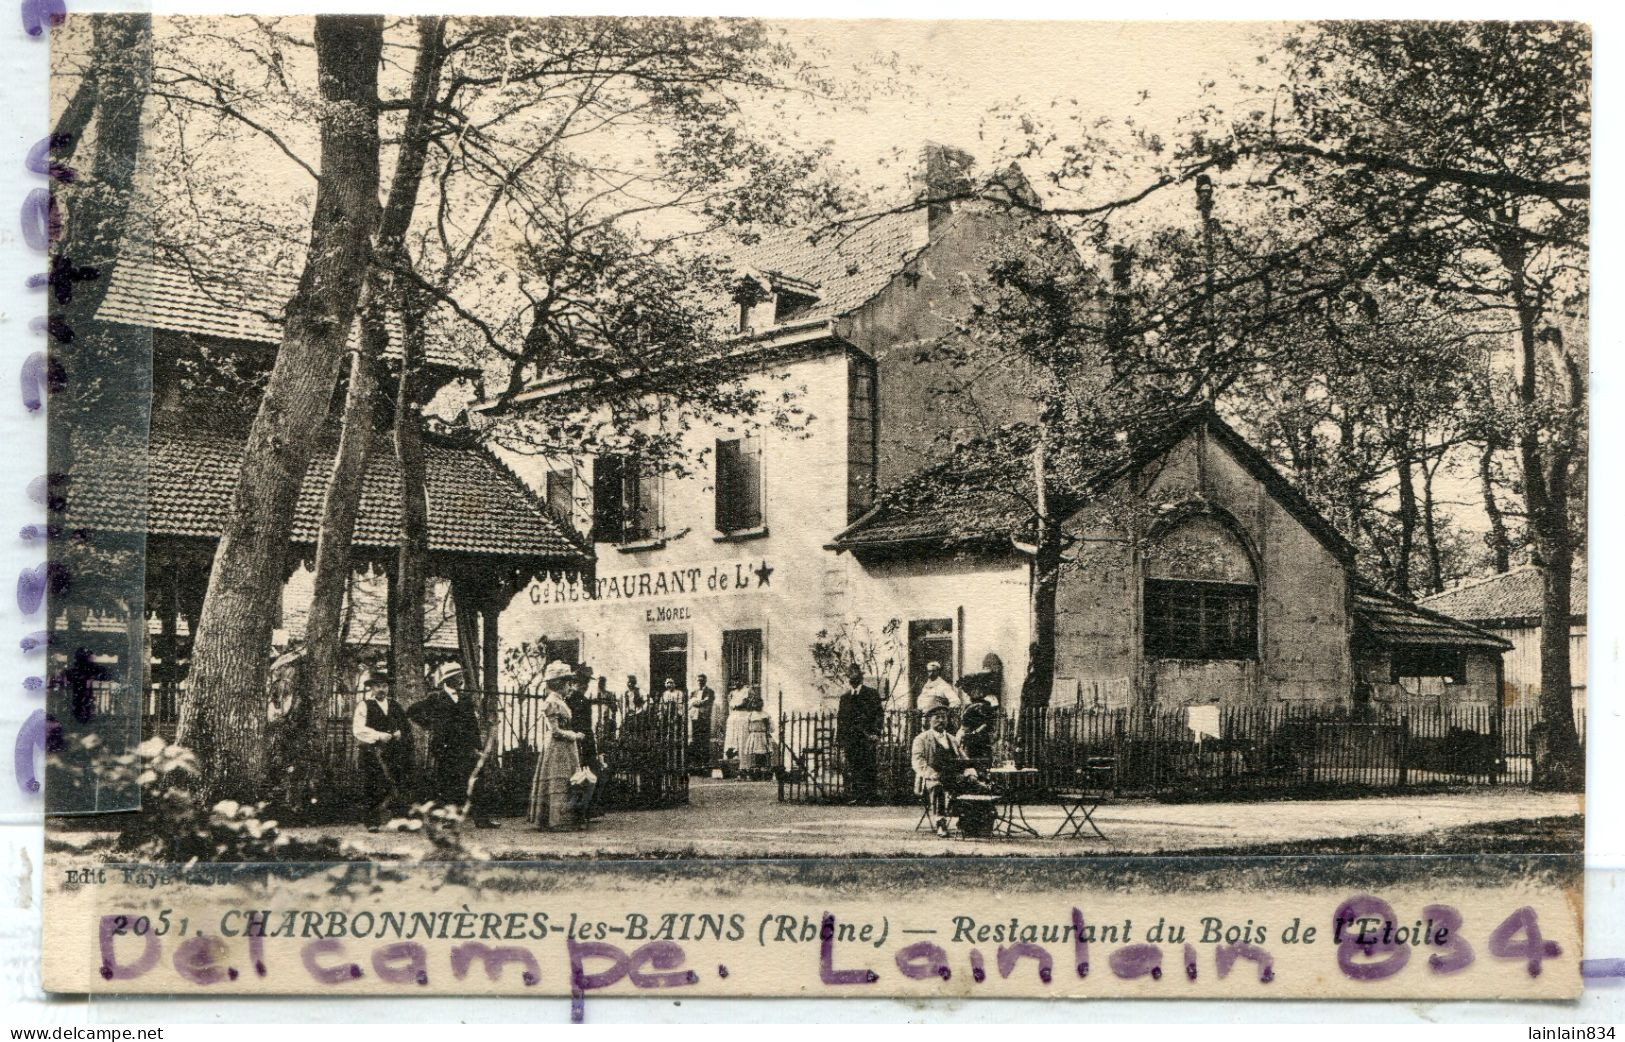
(645, 752)
(1215, 753)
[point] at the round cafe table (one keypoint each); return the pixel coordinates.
(1015, 787)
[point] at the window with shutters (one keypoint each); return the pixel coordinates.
(739, 485)
(607, 516)
(626, 501)
(862, 425)
(641, 493)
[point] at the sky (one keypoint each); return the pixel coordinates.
(1153, 70)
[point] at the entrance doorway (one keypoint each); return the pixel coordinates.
(929, 640)
(668, 657)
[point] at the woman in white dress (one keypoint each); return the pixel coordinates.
(733, 737)
(559, 759)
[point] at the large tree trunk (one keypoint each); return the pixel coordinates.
(1430, 527)
(1546, 489)
(1499, 543)
(224, 714)
(1353, 491)
(406, 628)
(93, 370)
(325, 632)
(324, 635)
(411, 565)
(327, 624)
(1404, 466)
(1040, 679)
(466, 608)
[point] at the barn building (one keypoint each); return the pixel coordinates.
(1508, 605)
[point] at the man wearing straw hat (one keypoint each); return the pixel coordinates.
(454, 739)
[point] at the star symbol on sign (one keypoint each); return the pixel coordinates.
(763, 574)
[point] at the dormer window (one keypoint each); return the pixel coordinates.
(772, 299)
(789, 305)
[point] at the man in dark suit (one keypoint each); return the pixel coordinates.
(381, 730)
(450, 717)
(858, 725)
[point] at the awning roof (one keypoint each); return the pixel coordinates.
(1393, 622)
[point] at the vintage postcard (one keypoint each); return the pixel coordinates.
(732, 507)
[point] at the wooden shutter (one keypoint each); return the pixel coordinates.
(728, 485)
(608, 519)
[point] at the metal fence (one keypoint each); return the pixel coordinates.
(1218, 753)
(645, 751)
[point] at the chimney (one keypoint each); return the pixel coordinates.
(945, 172)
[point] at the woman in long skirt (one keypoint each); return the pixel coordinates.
(559, 759)
(753, 753)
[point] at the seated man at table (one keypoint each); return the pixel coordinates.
(941, 769)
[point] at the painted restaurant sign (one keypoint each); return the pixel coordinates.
(657, 583)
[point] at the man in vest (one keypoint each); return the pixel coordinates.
(380, 728)
(702, 703)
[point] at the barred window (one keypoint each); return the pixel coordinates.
(1200, 620)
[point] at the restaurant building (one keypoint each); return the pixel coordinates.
(776, 559)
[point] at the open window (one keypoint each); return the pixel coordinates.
(1201, 593)
(1413, 666)
(626, 504)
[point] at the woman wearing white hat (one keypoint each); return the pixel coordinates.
(559, 759)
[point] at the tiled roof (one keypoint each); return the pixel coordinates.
(1510, 595)
(955, 502)
(184, 480)
(947, 503)
(235, 305)
(1398, 623)
(846, 265)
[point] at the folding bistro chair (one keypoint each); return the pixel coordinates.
(1081, 800)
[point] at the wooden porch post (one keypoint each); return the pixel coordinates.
(168, 685)
(465, 614)
(490, 643)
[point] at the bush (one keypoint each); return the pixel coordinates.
(174, 827)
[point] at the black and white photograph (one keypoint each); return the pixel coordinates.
(529, 444)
